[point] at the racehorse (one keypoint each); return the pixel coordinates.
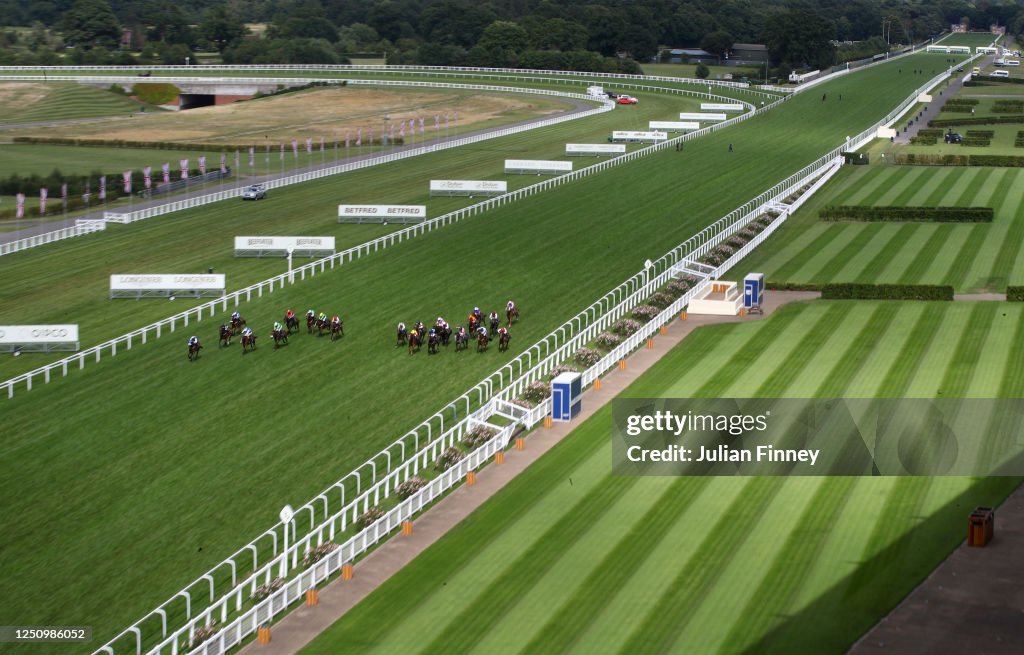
(291, 322)
(414, 342)
(337, 329)
(193, 351)
(461, 340)
(322, 325)
(445, 333)
(280, 337)
(248, 343)
(237, 324)
(225, 335)
(494, 323)
(401, 335)
(481, 341)
(310, 323)
(503, 340)
(432, 343)
(473, 323)
(512, 314)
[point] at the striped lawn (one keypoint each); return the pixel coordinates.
(970, 257)
(716, 565)
(66, 100)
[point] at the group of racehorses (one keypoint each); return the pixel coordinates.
(280, 332)
(441, 333)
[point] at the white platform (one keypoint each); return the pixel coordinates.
(717, 298)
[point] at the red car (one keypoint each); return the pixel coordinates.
(626, 100)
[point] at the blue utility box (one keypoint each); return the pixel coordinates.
(753, 290)
(566, 390)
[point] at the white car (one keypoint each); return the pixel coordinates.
(254, 192)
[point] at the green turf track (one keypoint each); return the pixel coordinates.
(69, 100)
(710, 565)
(149, 454)
(82, 160)
(971, 257)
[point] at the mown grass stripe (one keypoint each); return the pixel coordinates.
(1003, 430)
(856, 185)
(902, 506)
(568, 623)
(787, 573)
(959, 187)
(1005, 265)
(984, 188)
(956, 272)
(924, 258)
(862, 236)
(897, 240)
(668, 616)
(745, 356)
(874, 330)
(913, 189)
(960, 370)
(803, 352)
(469, 626)
(788, 271)
(903, 368)
(895, 188)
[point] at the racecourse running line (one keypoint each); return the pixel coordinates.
(302, 625)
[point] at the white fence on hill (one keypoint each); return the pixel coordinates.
(82, 226)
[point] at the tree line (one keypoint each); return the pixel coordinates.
(576, 34)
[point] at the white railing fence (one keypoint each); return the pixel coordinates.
(81, 227)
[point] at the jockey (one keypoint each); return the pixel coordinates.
(277, 326)
(493, 316)
(310, 314)
(439, 322)
(247, 331)
(322, 317)
(289, 315)
(420, 327)
(509, 306)
(476, 312)
(432, 333)
(462, 332)
(481, 331)
(502, 331)
(193, 341)
(336, 320)
(414, 334)
(235, 316)
(401, 327)
(444, 325)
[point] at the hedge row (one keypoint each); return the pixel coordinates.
(962, 101)
(1008, 107)
(852, 291)
(924, 140)
(979, 80)
(930, 132)
(792, 286)
(1015, 294)
(1005, 161)
(168, 145)
(1019, 141)
(978, 120)
(977, 142)
(900, 214)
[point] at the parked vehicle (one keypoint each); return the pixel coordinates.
(254, 192)
(1000, 73)
(627, 100)
(953, 137)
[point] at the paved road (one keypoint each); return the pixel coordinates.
(49, 226)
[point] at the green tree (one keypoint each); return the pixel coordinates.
(702, 71)
(800, 37)
(718, 42)
(504, 35)
(222, 27)
(91, 24)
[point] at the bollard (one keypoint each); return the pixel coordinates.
(520, 443)
(622, 365)
(407, 528)
(650, 344)
(263, 634)
(548, 421)
(664, 329)
(312, 598)
(743, 311)
(471, 478)
(597, 384)
(347, 571)
(499, 457)
(682, 317)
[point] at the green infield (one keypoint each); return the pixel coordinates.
(569, 558)
(22, 102)
(157, 453)
(973, 39)
(971, 257)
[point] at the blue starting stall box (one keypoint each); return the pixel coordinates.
(753, 291)
(566, 390)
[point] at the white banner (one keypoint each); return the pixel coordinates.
(16, 334)
(382, 211)
(469, 185)
(622, 135)
(537, 165)
(700, 116)
(721, 106)
(166, 282)
(594, 148)
(674, 126)
(284, 243)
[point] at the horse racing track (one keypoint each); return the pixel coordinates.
(150, 454)
(570, 558)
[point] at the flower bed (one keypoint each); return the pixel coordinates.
(645, 312)
(587, 357)
(477, 437)
(314, 555)
(263, 591)
(370, 516)
(536, 392)
(607, 340)
(449, 458)
(410, 486)
(627, 327)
